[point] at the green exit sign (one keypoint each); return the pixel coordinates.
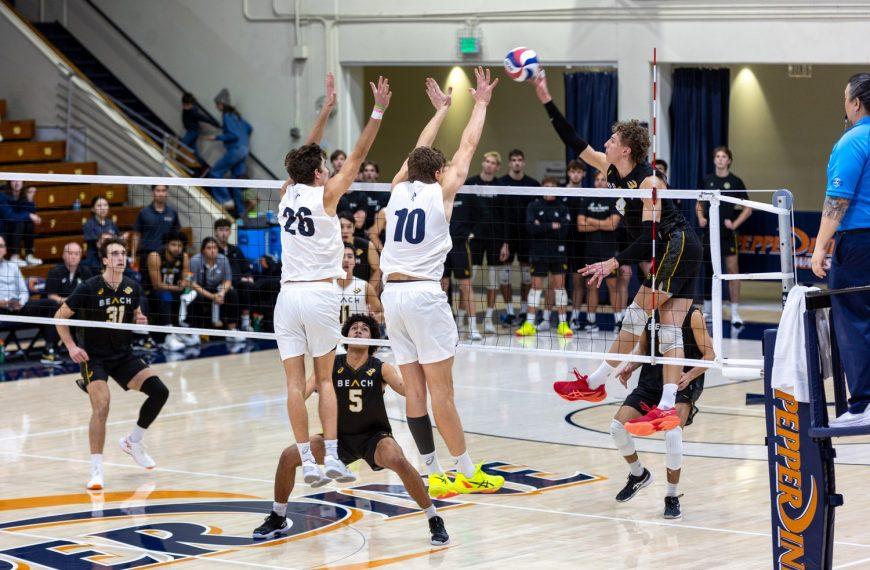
(469, 45)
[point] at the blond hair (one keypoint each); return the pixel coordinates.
(493, 154)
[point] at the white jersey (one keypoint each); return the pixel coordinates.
(311, 245)
(418, 233)
(353, 299)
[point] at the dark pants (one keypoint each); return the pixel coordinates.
(245, 290)
(19, 234)
(850, 267)
(45, 308)
(162, 306)
(264, 296)
(199, 312)
(190, 138)
(232, 162)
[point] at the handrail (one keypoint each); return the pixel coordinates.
(166, 74)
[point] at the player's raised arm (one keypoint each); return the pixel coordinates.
(441, 101)
(564, 129)
(316, 134)
(339, 184)
(458, 172)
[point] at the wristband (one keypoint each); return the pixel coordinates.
(378, 112)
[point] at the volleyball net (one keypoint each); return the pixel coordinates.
(512, 274)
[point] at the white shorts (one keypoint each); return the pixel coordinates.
(306, 319)
(419, 322)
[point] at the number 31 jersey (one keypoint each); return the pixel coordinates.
(95, 300)
(418, 232)
(311, 246)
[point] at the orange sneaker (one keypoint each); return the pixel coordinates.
(655, 419)
(579, 389)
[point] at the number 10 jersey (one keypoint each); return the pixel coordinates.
(311, 246)
(418, 232)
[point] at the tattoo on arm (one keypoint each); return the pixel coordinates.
(835, 208)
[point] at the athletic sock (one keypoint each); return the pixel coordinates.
(636, 468)
(431, 463)
(472, 322)
(590, 318)
(672, 489)
(331, 447)
(489, 314)
(460, 314)
(600, 375)
(669, 397)
(524, 307)
(430, 512)
(546, 316)
(562, 317)
(136, 434)
(465, 465)
(509, 308)
(280, 509)
(305, 452)
(97, 460)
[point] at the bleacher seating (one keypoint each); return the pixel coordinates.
(17, 130)
(25, 151)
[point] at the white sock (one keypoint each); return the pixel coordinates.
(600, 375)
(331, 447)
(137, 434)
(669, 397)
(488, 314)
(465, 465)
(305, 452)
(509, 308)
(431, 463)
(460, 314)
(97, 460)
(734, 309)
(280, 509)
(547, 316)
(430, 512)
(636, 468)
(524, 307)
(472, 322)
(246, 320)
(672, 489)
(562, 317)
(590, 318)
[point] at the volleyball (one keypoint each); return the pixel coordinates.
(521, 63)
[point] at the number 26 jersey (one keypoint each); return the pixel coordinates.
(418, 232)
(311, 246)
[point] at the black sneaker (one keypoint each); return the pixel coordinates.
(50, 358)
(274, 526)
(146, 344)
(508, 319)
(672, 508)
(439, 533)
(634, 484)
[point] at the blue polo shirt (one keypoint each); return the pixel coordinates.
(153, 225)
(849, 175)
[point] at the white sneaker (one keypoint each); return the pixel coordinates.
(236, 339)
(313, 475)
(32, 259)
(136, 450)
(544, 326)
(189, 339)
(96, 481)
(17, 260)
(852, 420)
(173, 343)
(488, 327)
(335, 469)
(736, 320)
(475, 335)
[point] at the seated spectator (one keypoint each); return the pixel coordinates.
(368, 260)
(152, 224)
(191, 117)
(64, 277)
(236, 136)
(243, 270)
(15, 300)
(98, 224)
(19, 214)
(166, 277)
(337, 159)
(216, 303)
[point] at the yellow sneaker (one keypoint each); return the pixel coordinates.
(480, 483)
(440, 487)
(564, 330)
(528, 328)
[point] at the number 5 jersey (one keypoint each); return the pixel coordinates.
(311, 246)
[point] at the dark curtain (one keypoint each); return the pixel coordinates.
(590, 105)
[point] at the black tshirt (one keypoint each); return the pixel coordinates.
(734, 187)
(545, 241)
(489, 215)
(170, 270)
(514, 207)
(360, 397)
(652, 375)
(60, 282)
(153, 225)
(632, 208)
(94, 300)
(463, 218)
(599, 209)
(362, 269)
(238, 262)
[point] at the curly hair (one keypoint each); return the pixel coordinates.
(301, 163)
(367, 320)
(636, 137)
(423, 163)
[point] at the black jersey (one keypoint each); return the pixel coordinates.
(170, 270)
(94, 300)
(514, 207)
(362, 269)
(360, 397)
(632, 208)
(652, 375)
(463, 219)
(489, 215)
(540, 216)
(732, 186)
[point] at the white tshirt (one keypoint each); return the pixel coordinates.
(418, 233)
(311, 246)
(353, 299)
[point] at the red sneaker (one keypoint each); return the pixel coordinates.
(654, 420)
(579, 389)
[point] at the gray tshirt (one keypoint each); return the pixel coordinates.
(211, 276)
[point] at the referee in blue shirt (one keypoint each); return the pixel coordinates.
(847, 213)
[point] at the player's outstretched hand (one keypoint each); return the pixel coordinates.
(329, 98)
(440, 99)
(381, 92)
(483, 92)
(598, 271)
(684, 382)
(541, 88)
(625, 373)
(78, 355)
(141, 319)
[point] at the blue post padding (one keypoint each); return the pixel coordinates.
(801, 472)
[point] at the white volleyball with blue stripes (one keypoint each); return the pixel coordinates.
(521, 63)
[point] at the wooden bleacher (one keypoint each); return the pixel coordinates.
(50, 168)
(26, 151)
(18, 130)
(65, 196)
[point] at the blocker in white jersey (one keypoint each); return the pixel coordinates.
(311, 245)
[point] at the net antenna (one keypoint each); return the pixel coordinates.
(652, 269)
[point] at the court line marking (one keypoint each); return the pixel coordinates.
(854, 563)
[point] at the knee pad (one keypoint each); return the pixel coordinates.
(154, 386)
(504, 275)
(621, 438)
(674, 448)
(534, 298)
(670, 338)
(634, 320)
(492, 282)
(527, 275)
(561, 298)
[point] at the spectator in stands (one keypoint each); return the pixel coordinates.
(64, 277)
(243, 270)
(98, 224)
(216, 303)
(152, 224)
(355, 203)
(662, 166)
(191, 117)
(368, 260)
(236, 136)
(15, 300)
(337, 159)
(375, 201)
(165, 278)
(459, 261)
(19, 213)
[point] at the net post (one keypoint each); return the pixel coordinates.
(783, 199)
(716, 259)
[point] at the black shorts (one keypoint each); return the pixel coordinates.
(678, 266)
(486, 248)
(543, 266)
(728, 243)
(459, 260)
(361, 446)
(121, 368)
(651, 395)
(598, 251)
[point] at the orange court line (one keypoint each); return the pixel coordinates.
(85, 499)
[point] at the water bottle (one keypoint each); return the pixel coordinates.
(270, 217)
(2, 352)
(77, 205)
